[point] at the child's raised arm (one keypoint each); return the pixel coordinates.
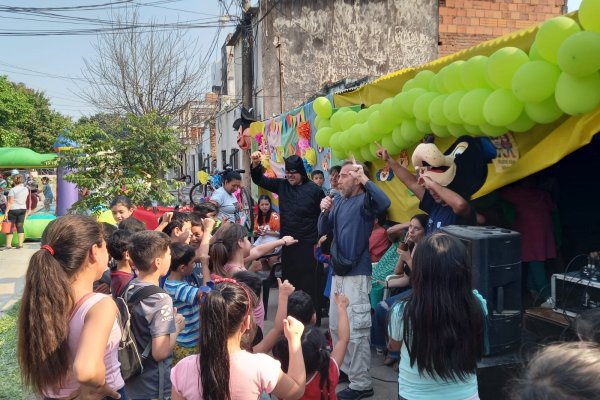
(269, 340)
(291, 385)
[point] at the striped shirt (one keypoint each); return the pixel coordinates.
(185, 298)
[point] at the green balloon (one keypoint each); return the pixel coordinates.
(456, 130)
(440, 130)
(470, 107)
(579, 54)
(473, 130)
(348, 119)
(423, 78)
(522, 124)
(336, 121)
(493, 131)
(451, 107)
(397, 105)
(436, 84)
(317, 121)
(543, 112)
(377, 125)
(421, 106)
(409, 131)
(453, 77)
(441, 79)
(322, 107)
(354, 137)
(589, 15)
(397, 137)
(534, 54)
(551, 34)
(323, 136)
(390, 145)
(436, 111)
(324, 123)
(535, 81)
(363, 115)
(366, 154)
(334, 141)
(389, 114)
(473, 73)
(344, 142)
(423, 127)
(578, 95)
(503, 64)
(410, 84)
(502, 108)
(339, 154)
(407, 101)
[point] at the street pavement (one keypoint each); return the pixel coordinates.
(13, 266)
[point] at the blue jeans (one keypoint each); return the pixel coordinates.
(379, 323)
(121, 392)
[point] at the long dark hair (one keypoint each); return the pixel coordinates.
(225, 245)
(43, 351)
(315, 353)
(264, 218)
(443, 320)
(221, 315)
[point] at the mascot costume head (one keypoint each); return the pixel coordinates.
(462, 168)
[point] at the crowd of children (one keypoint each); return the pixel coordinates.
(198, 319)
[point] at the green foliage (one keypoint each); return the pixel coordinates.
(10, 384)
(26, 119)
(128, 156)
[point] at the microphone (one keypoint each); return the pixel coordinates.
(331, 195)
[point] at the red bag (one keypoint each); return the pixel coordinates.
(6, 227)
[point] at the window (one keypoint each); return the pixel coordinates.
(223, 158)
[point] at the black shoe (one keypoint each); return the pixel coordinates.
(351, 394)
(343, 377)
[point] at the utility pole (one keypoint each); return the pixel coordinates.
(247, 76)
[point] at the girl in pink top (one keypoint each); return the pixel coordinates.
(68, 336)
(223, 370)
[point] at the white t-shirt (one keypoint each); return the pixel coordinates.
(19, 193)
(228, 205)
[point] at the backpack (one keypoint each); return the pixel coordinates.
(132, 361)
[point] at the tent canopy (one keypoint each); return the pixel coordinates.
(20, 157)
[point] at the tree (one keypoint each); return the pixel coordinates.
(26, 119)
(142, 69)
(132, 163)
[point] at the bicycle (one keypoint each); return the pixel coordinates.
(202, 192)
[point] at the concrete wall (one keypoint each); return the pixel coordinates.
(323, 41)
(465, 23)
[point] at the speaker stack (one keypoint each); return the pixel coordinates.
(495, 255)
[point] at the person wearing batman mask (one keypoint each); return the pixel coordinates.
(299, 208)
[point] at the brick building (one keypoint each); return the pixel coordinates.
(465, 23)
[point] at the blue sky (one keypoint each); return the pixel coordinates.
(53, 64)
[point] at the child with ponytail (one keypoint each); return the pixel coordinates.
(223, 370)
(322, 367)
(68, 335)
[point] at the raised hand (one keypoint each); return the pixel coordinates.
(285, 287)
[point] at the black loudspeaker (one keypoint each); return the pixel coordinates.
(495, 255)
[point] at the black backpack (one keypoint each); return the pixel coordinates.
(130, 357)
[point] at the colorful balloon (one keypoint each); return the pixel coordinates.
(440, 130)
(423, 127)
(456, 130)
(453, 77)
(535, 81)
(336, 121)
(390, 145)
(493, 131)
(348, 119)
(389, 114)
(551, 34)
(397, 137)
(579, 54)
(322, 107)
(503, 64)
(365, 152)
(423, 78)
(409, 131)
(534, 54)
(501, 108)
(407, 101)
(578, 95)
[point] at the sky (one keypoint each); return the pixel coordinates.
(53, 63)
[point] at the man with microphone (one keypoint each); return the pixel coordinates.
(349, 218)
